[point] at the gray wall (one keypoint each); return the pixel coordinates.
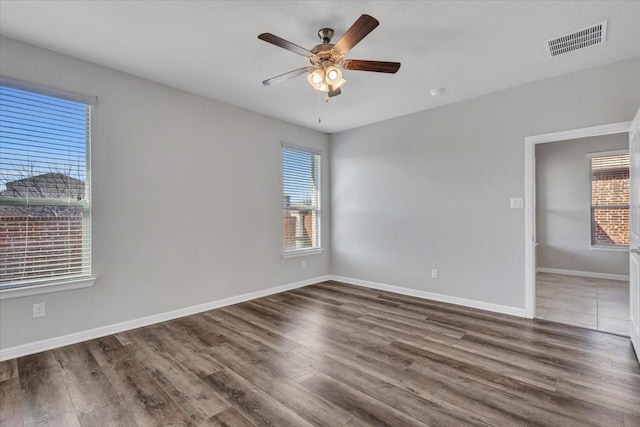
(563, 214)
(187, 200)
(431, 190)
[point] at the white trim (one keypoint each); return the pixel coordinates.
(635, 337)
(609, 248)
(48, 91)
(591, 274)
(496, 308)
(609, 129)
(284, 144)
(529, 228)
(302, 252)
(46, 287)
(529, 191)
(51, 343)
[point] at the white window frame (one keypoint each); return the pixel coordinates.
(601, 246)
(318, 249)
(54, 284)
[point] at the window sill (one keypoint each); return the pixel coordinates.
(606, 248)
(38, 288)
(302, 252)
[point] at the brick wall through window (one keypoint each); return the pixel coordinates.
(58, 236)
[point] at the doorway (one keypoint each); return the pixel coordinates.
(530, 196)
(582, 232)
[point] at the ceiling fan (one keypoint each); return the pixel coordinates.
(324, 74)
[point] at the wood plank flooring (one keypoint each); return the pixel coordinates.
(331, 355)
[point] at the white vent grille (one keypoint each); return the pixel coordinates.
(590, 36)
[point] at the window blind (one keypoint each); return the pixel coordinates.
(301, 198)
(45, 222)
(610, 162)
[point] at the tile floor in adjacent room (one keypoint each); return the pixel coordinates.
(599, 304)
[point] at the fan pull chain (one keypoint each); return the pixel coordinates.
(319, 106)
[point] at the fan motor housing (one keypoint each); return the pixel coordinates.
(324, 54)
(323, 50)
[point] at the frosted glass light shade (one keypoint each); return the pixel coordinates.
(333, 77)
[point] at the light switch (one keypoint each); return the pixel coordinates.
(517, 203)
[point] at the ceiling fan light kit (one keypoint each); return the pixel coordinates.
(326, 79)
(327, 59)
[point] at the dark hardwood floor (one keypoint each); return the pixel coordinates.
(331, 355)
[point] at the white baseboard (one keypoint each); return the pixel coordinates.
(497, 308)
(635, 338)
(591, 274)
(76, 337)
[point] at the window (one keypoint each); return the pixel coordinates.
(301, 199)
(45, 222)
(610, 199)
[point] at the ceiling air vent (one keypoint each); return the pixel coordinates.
(590, 36)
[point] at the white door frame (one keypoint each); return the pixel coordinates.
(529, 192)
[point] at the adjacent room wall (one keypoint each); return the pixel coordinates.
(187, 200)
(563, 214)
(432, 189)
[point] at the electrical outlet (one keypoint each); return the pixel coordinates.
(38, 310)
(303, 264)
(434, 273)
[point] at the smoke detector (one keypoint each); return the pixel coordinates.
(580, 39)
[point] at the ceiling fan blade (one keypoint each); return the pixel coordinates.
(286, 76)
(280, 42)
(359, 30)
(375, 66)
(333, 93)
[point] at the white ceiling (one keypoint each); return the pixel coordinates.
(211, 48)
